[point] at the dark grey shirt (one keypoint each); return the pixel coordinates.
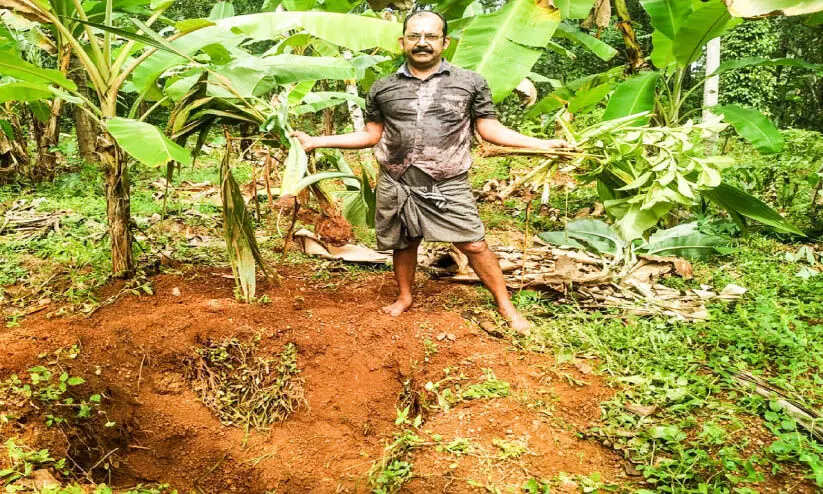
(428, 123)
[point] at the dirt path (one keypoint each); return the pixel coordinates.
(355, 361)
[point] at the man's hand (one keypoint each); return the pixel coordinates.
(308, 142)
(554, 144)
(496, 133)
(354, 140)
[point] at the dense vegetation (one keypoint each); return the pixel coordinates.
(114, 113)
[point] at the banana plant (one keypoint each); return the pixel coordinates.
(207, 85)
(644, 174)
(504, 45)
(596, 236)
(107, 65)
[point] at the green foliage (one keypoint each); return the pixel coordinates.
(49, 385)
(490, 388)
(753, 87)
(596, 236)
(680, 414)
(394, 469)
(24, 461)
(786, 180)
(754, 127)
(502, 46)
(146, 143)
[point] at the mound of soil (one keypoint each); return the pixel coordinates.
(355, 361)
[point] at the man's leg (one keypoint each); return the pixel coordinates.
(484, 262)
(404, 262)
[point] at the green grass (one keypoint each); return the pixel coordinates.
(70, 265)
(699, 436)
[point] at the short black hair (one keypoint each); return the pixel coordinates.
(418, 12)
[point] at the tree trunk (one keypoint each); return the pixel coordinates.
(83, 124)
(47, 136)
(711, 88)
(118, 205)
(357, 120)
(634, 53)
(13, 156)
(8, 161)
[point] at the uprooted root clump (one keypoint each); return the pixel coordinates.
(244, 389)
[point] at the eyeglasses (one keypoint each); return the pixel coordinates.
(414, 37)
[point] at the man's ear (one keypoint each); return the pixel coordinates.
(400, 42)
(446, 42)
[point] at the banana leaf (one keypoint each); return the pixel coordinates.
(243, 251)
(741, 205)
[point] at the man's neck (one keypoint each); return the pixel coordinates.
(423, 72)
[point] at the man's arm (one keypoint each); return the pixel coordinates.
(354, 140)
(496, 133)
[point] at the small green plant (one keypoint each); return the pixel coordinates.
(25, 460)
(393, 470)
(446, 396)
(51, 387)
(510, 448)
(430, 349)
(536, 486)
(490, 388)
(458, 447)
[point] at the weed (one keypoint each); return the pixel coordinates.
(244, 389)
(458, 447)
(430, 348)
(393, 470)
(25, 460)
(510, 449)
(490, 388)
(447, 396)
(680, 413)
(49, 385)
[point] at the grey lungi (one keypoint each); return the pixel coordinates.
(416, 206)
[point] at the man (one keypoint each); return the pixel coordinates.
(420, 119)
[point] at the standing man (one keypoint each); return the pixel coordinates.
(420, 119)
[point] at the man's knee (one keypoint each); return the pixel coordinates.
(470, 248)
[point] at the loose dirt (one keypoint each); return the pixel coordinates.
(354, 359)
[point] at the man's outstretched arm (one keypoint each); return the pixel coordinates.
(354, 140)
(496, 133)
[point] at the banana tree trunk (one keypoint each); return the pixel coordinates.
(46, 138)
(13, 156)
(634, 53)
(83, 124)
(357, 120)
(8, 163)
(47, 135)
(118, 205)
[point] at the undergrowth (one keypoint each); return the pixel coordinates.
(680, 414)
(51, 398)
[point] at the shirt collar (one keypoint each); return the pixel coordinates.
(444, 67)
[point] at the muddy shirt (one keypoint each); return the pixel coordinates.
(428, 123)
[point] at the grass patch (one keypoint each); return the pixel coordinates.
(680, 415)
(244, 389)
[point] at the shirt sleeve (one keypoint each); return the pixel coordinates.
(482, 105)
(373, 113)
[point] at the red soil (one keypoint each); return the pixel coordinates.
(354, 360)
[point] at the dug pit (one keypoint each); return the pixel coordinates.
(354, 361)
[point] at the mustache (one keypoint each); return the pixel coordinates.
(422, 49)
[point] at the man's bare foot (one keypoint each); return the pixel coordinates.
(517, 322)
(520, 324)
(399, 306)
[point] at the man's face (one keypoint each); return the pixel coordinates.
(423, 40)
